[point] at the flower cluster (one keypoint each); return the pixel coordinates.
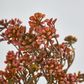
(51, 67)
(39, 53)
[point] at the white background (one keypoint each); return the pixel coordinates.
(70, 15)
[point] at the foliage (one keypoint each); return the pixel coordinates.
(39, 53)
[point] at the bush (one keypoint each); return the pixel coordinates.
(39, 53)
